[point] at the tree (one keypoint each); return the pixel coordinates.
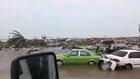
(1, 45)
(35, 42)
(17, 39)
(44, 38)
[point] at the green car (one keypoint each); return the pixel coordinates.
(78, 56)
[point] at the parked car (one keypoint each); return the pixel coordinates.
(78, 56)
(127, 59)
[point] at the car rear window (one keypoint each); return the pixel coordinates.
(119, 53)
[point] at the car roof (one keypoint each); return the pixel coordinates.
(79, 50)
(131, 50)
(91, 52)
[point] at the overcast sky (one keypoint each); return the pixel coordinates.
(70, 18)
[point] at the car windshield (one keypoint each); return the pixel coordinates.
(119, 53)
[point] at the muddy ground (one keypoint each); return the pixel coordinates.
(69, 71)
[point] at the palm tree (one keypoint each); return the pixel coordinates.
(17, 39)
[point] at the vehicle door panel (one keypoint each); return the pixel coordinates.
(134, 58)
(84, 57)
(72, 57)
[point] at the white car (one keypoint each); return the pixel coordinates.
(123, 58)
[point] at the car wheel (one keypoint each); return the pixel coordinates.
(59, 63)
(128, 67)
(91, 63)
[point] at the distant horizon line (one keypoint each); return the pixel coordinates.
(76, 37)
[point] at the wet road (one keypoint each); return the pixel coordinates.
(70, 71)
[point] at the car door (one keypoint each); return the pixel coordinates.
(84, 57)
(134, 58)
(72, 57)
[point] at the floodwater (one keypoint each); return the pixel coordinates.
(92, 72)
(70, 71)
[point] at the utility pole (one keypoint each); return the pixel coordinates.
(139, 28)
(139, 35)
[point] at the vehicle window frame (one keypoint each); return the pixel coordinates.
(86, 52)
(73, 55)
(120, 55)
(134, 57)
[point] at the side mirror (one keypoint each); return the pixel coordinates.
(35, 66)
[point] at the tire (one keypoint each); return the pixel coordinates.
(91, 63)
(129, 67)
(59, 63)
